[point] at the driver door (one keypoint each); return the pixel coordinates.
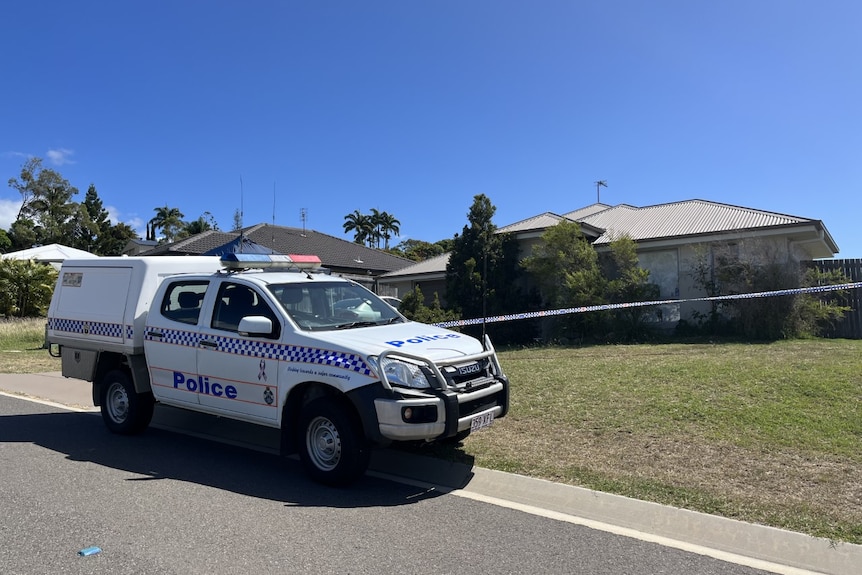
(239, 373)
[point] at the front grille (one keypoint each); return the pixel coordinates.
(469, 376)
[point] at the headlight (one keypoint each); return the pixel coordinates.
(400, 373)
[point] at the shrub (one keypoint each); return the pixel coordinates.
(413, 307)
(26, 287)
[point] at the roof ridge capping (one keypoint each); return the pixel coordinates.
(731, 207)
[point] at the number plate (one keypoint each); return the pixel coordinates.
(481, 421)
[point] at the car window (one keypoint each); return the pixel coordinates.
(236, 301)
(182, 301)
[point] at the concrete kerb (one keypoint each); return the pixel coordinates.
(757, 546)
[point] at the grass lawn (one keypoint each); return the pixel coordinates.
(767, 433)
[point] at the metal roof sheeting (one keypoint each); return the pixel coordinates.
(679, 219)
(540, 222)
(437, 264)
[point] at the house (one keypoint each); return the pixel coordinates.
(341, 257)
(428, 275)
(671, 238)
(137, 246)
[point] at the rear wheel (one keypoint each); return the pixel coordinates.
(332, 447)
(124, 410)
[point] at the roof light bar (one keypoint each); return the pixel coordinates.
(269, 261)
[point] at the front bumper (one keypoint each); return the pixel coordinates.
(454, 412)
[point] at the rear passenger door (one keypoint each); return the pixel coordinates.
(171, 341)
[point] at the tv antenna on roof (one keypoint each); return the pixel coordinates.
(241, 198)
(303, 215)
(599, 184)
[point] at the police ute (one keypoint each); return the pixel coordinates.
(273, 340)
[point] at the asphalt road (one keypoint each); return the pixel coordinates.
(164, 502)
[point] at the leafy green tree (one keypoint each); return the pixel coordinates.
(96, 232)
(446, 245)
(565, 267)
(90, 223)
(417, 250)
(114, 239)
(483, 272)
(26, 287)
(46, 201)
(5, 241)
(628, 282)
(23, 234)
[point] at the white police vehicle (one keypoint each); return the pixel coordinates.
(271, 340)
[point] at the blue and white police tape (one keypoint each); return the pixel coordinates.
(610, 306)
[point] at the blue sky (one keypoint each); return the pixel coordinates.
(414, 107)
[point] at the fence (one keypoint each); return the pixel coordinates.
(851, 326)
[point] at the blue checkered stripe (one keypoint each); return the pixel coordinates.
(175, 337)
(348, 361)
(249, 348)
(99, 328)
(267, 350)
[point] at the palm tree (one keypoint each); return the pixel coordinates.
(376, 231)
(170, 220)
(389, 226)
(360, 225)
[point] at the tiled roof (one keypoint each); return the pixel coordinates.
(335, 253)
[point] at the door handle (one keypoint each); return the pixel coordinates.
(207, 343)
(152, 333)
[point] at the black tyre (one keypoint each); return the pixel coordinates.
(124, 410)
(332, 446)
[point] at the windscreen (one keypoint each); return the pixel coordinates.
(319, 306)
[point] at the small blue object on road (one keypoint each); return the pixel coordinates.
(89, 551)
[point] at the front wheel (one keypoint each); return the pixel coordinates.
(124, 410)
(332, 447)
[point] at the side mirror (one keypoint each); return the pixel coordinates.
(255, 326)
